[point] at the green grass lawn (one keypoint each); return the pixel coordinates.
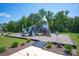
(75, 39)
(7, 41)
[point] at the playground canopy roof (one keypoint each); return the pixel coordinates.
(44, 19)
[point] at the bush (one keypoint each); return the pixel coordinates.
(59, 45)
(28, 41)
(68, 48)
(2, 33)
(2, 49)
(8, 33)
(22, 43)
(15, 44)
(57, 33)
(49, 45)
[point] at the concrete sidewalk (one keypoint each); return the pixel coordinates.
(34, 51)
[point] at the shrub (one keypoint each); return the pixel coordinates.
(59, 45)
(2, 49)
(8, 33)
(22, 43)
(57, 33)
(15, 44)
(28, 41)
(68, 48)
(49, 45)
(2, 33)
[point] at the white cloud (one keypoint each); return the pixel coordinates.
(75, 6)
(5, 15)
(8, 16)
(2, 14)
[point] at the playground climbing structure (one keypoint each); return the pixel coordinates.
(34, 29)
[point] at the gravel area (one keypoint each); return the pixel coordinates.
(63, 39)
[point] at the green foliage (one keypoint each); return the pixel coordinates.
(49, 45)
(15, 44)
(28, 40)
(8, 33)
(60, 22)
(2, 49)
(42, 12)
(2, 33)
(68, 48)
(57, 33)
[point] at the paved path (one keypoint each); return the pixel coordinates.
(34, 51)
(39, 44)
(64, 39)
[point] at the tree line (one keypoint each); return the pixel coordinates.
(60, 22)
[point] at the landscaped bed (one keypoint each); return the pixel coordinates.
(10, 45)
(75, 39)
(55, 49)
(59, 49)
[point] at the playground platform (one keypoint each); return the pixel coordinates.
(62, 38)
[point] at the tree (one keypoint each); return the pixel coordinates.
(42, 13)
(76, 24)
(66, 12)
(49, 15)
(60, 22)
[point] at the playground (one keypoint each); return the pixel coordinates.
(40, 35)
(41, 32)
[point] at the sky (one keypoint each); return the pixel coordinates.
(9, 11)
